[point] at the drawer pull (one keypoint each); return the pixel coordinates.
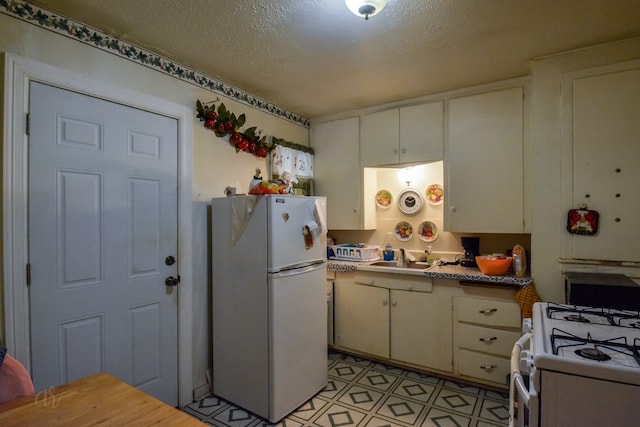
(489, 311)
(490, 339)
(488, 367)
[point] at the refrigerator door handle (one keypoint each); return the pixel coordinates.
(300, 270)
(297, 265)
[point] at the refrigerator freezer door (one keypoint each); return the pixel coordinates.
(297, 231)
(298, 338)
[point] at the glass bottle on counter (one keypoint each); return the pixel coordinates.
(387, 253)
(429, 255)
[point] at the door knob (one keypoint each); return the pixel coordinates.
(171, 281)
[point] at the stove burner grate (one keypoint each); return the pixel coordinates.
(592, 349)
(595, 315)
(577, 318)
(593, 354)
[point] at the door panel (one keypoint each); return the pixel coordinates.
(81, 347)
(145, 224)
(102, 218)
(79, 233)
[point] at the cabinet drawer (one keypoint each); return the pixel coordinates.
(489, 312)
(483, 366)
(494, 341)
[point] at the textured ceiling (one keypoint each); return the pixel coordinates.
(313, 57)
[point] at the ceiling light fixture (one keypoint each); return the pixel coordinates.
(365, 8)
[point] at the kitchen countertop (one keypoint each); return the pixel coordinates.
(453, 272)
(341, 266)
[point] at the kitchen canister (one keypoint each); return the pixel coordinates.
(519, 259)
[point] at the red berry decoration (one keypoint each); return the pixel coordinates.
(243, 144)
(225, 123)
(235, 138)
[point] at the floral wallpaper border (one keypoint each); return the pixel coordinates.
(90, 36)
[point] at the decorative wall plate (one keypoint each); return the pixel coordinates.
(384, 198)
(435, 194)
(410, 201)
(403, 231)
(428, 231)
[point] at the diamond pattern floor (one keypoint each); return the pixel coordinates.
(370, 394)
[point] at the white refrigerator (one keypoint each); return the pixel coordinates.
(269, 301)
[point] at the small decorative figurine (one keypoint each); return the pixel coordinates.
(257, 179)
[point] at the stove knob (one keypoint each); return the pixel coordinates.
(526, 361)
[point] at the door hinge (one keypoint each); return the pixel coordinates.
(28, 124)
(28, 274)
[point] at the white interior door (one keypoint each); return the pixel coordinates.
(102, 217)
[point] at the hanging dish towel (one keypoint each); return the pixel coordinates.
(526, 297)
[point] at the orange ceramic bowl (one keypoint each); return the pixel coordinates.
(493, 266)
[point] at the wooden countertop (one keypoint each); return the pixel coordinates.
(100, 399)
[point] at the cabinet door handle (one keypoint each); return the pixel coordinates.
(403, 151)
(395, 151)
(394, 302)
(489, 311)
(490, 339)
(488, 367)
(385, 302)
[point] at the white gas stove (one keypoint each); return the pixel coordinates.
(583, 367)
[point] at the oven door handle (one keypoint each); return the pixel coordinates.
(517, 383)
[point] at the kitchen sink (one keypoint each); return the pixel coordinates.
(411, 265)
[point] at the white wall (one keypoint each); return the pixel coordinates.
(549, 214)
(215, 163)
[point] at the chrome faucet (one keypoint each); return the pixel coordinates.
(402, 259)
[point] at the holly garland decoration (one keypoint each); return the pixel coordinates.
(225, 123)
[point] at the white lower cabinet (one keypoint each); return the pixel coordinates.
(362, 318)
(485, 331)
(421, 329)
(466, 332)
(409, 325)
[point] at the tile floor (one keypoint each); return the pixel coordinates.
(365, 393)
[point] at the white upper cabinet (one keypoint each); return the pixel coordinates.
(403, 135)
(339, 177)
(484, 161)
(601, 112)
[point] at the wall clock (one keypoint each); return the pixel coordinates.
(410, 201)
